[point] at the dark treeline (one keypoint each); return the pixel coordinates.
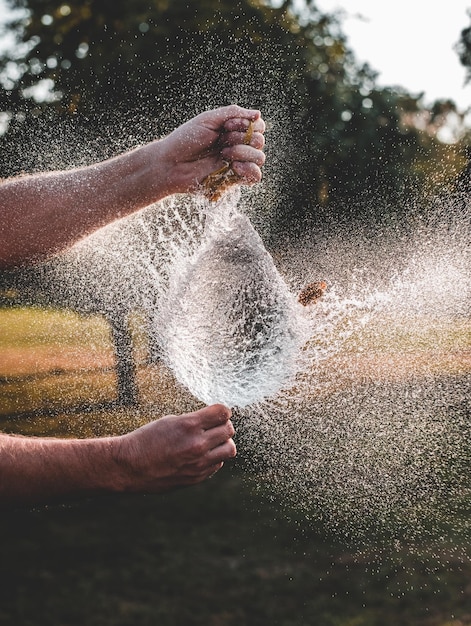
(114, 73)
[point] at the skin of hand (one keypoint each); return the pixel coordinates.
(177, 450)
(174, 451)
(203, 144)
(45, 213)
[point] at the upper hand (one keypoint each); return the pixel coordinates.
(204, 143)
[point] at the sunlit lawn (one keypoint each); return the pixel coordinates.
(220, 554)
(51, 360)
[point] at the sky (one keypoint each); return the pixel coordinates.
(409, 43)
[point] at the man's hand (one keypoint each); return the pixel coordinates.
(203, 144)
(171, 452)
(176, 450)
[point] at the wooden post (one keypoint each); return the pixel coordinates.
(128, 392)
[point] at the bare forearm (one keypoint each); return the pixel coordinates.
(45, 213)
(173, 451)
(39, 470)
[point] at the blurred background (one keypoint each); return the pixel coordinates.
(88, 80)
(84, 80)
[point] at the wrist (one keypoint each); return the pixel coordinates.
(121, 471)
(109, 465)
(164, 168)
(133, 180)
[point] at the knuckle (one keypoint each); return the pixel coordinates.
(232, 449)
(190, 424)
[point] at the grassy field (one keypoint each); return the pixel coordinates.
(225, 553)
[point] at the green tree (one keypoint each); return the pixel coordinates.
(117, 72)
(121, 72)
(463, 48)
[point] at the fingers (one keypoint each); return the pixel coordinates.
(218, 436)
(245, 161)
(243, 153)
(248, 173)
(241, 124)
(222, 453)
(218, 433)
(212, 469)
(221, 444)
(235, 138)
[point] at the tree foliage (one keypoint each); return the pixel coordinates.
(117, 72)
(463, 49)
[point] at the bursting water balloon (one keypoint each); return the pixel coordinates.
(231, 329)
(366, 423)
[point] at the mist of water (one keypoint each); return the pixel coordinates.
(355, 410)
(374, 434)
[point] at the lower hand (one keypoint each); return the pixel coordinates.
(176, 451)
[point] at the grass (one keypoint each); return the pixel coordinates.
(211, 555)
(53, 359)
(224, 553)
(33, 327)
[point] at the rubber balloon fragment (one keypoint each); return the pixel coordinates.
(232, 330)
(312, 292)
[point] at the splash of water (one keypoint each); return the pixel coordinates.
(361, 419)
(230, 329)
(375, 432)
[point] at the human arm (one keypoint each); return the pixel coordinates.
(44, 213)
(171, 452)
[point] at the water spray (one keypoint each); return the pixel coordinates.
(353, 409)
